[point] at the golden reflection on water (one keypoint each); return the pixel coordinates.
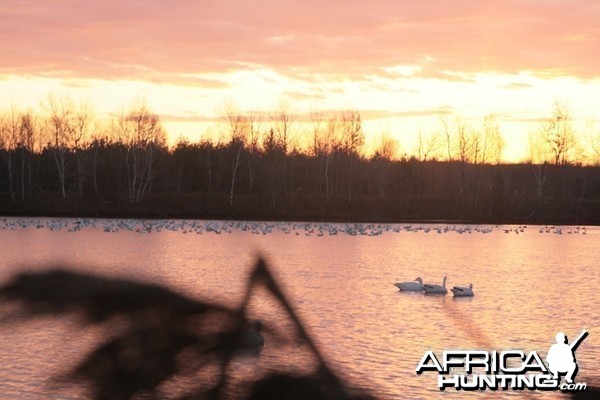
(527, 287)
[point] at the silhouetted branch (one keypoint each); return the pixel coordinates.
(157, 335)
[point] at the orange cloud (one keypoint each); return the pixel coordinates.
(166, 41)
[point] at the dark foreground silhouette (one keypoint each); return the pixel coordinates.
(162, 335)
(162, 328)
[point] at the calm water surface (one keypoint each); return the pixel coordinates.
(528, 286)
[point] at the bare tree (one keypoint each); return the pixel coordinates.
(559, 136)
(540, 174)
(447, 132)
(384, 153)
(103, 134)
(83, 120)
(352, 135)
(487, 145)
(60, 129)
(254, 138)
(428, 145)
(351, 141)
(255, 131)
(467, 143)
(537, 149)
(493, 141)
(9, 133)
(28, 135)
(472, 145)
(283, 122)
(143, 135)
(317, 123)
(538, 156)
(237, 125)
(593, 140)
(323, 144)
(19, 133)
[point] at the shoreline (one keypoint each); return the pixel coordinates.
(216, 207)
(291, 219)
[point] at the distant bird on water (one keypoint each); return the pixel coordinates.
(463, 291)
(252, 338)
(410, 286)
(435, 289)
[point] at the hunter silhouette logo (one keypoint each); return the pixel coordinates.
(509, 369)
(561, 356)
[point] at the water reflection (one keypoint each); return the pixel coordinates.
(528, 286)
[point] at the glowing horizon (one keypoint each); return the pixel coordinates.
(400, 64)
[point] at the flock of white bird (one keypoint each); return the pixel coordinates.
(429, 288)
(557, 230)
(259, 227)
(263, 228)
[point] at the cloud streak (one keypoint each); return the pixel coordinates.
(168, 41)
(265, 117)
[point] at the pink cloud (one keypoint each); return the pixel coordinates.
(158, 40)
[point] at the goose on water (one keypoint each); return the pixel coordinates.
(411, 286)
(463, 291)
(435, 289)
(253, 337)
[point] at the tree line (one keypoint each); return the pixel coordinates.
(64, 160)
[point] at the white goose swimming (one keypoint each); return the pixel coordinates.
(463, 291)
(435, 289)
(411, 286)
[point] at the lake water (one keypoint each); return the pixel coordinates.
(529, 284)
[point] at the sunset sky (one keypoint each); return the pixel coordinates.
(402, 64)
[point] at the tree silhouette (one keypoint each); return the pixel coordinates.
(123, 167)
(157, 328)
